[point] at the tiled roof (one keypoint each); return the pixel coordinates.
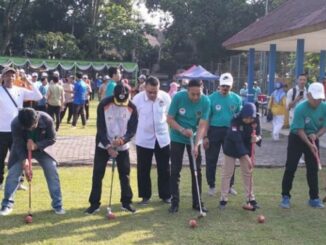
(291, 18)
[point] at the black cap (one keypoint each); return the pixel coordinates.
(121, 93)
(248, 110)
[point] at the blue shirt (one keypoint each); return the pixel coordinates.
(80, 90)
(43, 90)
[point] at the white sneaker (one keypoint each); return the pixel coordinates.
(211, 191)
(59, 211)
(233, 192)
(5, 211)
(21, 187)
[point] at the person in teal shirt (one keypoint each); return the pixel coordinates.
(309, 123)
(115, 76)
(188, 116)
(224, 104)
(257, 92)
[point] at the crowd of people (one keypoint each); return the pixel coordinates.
(164, 124)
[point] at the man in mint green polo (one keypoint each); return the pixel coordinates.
(224, 105)
(309, 124)
(115, 76)
(188, 116)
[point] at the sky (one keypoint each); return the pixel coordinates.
(153, 17)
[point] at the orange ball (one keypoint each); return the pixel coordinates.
(192, 223)
(28, 219)
(111, 216)
(261, 219)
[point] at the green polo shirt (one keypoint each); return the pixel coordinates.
(223, 108)
(110, 88)
(308, 118)
(187, 114)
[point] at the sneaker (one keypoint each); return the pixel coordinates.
(233, 192)
(144, 201)
(92, 209)
(128, 208)
(167, 200)
(59, 211)
(223, 204)
(21, 187)
(254, 204)
(173, 209)
(5, 211)
(196, 207)
(211, 191)
(73, 127)
(285, 203)
(316, 203)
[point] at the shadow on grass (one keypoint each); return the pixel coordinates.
(150, 223)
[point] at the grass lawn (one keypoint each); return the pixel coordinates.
(152, 224)
(65, 129)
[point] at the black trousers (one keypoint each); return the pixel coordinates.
(177, 150)
(123, 165)
(54, 112)
(216, 136)
(144, 164)
(41, 108)
(79, 110)
(5, 145)
(296, 147)
(70, 108)
(87, 109)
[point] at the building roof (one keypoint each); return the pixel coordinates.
(294, 19)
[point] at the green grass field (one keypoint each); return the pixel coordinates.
(154, 225)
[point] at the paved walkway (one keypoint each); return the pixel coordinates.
(79, 150)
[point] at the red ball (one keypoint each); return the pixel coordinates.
(28, 219)
(192, 223)
(261, 219)
(111, 216)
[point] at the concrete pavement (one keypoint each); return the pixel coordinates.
(79, 150)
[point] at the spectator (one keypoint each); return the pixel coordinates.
(55, 98)
(11, 100)
(68, 88)
(277, 104)
(80, 91)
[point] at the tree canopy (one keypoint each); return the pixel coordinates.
(114, 29)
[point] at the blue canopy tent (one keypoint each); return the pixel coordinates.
(199, 73)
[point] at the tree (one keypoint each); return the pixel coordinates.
(11, 12)
(200, 27)
(53, 45)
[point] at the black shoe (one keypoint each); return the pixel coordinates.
(92, 209)
(205, 210)
(173, 209)
(128, 208)
(222, 204)
(254, 204)
(166, 200)
(145, 201)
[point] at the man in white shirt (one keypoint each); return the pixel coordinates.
(11, 100)
(152, 137)
(296, 94)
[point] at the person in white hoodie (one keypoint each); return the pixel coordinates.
(11, 100)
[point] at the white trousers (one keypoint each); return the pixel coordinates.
(278, 122)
